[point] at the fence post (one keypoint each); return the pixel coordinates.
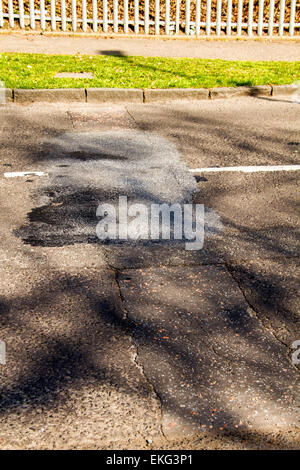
(63, 15)
(84, 22)
(95, 16)
(105, 24)
(1, 14)
(126, 16)
(74, 15)
(208, 17)
(239, 18)
(53, 17)
(115, 14)
(32, 14)
(136, 16)
(260, 17)
(292, 18)
(167, 18)
(146, 15)
(157, 16)
(42, 14)
(281, 17)
(11, 13)
(177, 24)
(218, 17)
(250, 18)
(229, 12)
(271, 18)
(187, 16)
(21, 14)
(198, 17)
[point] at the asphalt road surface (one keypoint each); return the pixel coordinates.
(144, 344)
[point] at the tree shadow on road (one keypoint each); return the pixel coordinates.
(205, 341)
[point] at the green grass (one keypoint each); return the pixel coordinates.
(38, 70)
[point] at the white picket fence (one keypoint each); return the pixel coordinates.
(38, 17)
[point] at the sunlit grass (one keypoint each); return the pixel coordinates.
(38, 71)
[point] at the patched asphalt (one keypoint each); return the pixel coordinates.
(87, 168)
(144, 345)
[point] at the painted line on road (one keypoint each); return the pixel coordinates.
(246, 169)
(15, 174)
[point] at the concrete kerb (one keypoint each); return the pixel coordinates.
(114, 95)
(136, 95)
(6, 95)
(286, 90)
(262, 90)
(56, 95)
(151, 95)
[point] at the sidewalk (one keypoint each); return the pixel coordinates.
(228, 49)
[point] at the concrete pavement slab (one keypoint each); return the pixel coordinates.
(208, 357)
(29, 126)
(271, 286)
(239, 131)
(104, 116)
(70, 377)
(242, 202)
(228, 49)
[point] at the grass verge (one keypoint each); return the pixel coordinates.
(38, 71)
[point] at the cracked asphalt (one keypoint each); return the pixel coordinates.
(140, 345)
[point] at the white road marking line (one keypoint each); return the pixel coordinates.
(246, 169)
(15, 174)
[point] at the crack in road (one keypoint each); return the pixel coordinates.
(135, 350)
(260, 320)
